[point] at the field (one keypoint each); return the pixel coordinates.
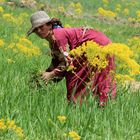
(31, 113)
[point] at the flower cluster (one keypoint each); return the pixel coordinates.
(118, 8)
(13, 19)
(126, 11)
(134, 44)
(71, 10)
(1, 42)
(7, 124)
(125, 77)
(106, 13)
(97, 55)
(138, 13)
(64, 133)
(74, 135)
(61, 118)
(25, 46)
(105, 1)
(1, 1)
(1, 9)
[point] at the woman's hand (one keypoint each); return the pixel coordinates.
(46, 76)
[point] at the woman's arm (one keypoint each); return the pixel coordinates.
(61, 62)
(58, 66)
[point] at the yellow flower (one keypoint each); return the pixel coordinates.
(1, 10)
(74, 135)
(70, 68)
(72, 5)
(61, 118)
(130, 19)
(67, 26)
(126, 11)
(19, 132)
(123, 78)
(1, 42)
(107, 13)
(24, 15)
(28, 51)
(2, 124)
(25, 40)
(78, 5)
(105, 1)
(138, 20)
(61, 9)
(96, 55)
(118, 9)
(9, 17)
(11, 45)
(10, 123)
(78, 10)
(134, 45)
(1, 1)
(138, 13)
(118, 6)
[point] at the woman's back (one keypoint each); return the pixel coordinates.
(76, 36)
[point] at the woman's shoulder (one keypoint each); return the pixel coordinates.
(67, 33)
(66, 29)
(62, 31)
(58, 32)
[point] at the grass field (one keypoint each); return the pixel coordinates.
(31, 113)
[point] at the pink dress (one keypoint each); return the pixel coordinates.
(103, 84)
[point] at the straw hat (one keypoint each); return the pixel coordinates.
(37, 19)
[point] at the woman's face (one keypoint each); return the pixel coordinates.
(43, 31)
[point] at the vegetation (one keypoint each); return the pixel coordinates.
(32, 112)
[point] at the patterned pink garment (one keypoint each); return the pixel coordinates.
(69, 38)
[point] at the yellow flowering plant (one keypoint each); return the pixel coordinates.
(7, 124)
(24, 46)
(61, 118)
(106, 13)
(73, 9)
(74, 135)
(1, 10)
(1, 42)
(97, 56)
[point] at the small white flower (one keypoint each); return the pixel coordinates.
(66, 53)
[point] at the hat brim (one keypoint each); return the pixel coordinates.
(30, 31)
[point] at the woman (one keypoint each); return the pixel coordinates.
(61, 41)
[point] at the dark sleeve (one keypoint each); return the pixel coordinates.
(59, 49)
(54, 63)
(59, 62)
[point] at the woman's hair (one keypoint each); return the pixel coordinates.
(55, 22)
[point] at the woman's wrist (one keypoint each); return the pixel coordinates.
(53, 74)
(56, 72)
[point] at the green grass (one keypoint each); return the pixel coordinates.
(32, 108)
